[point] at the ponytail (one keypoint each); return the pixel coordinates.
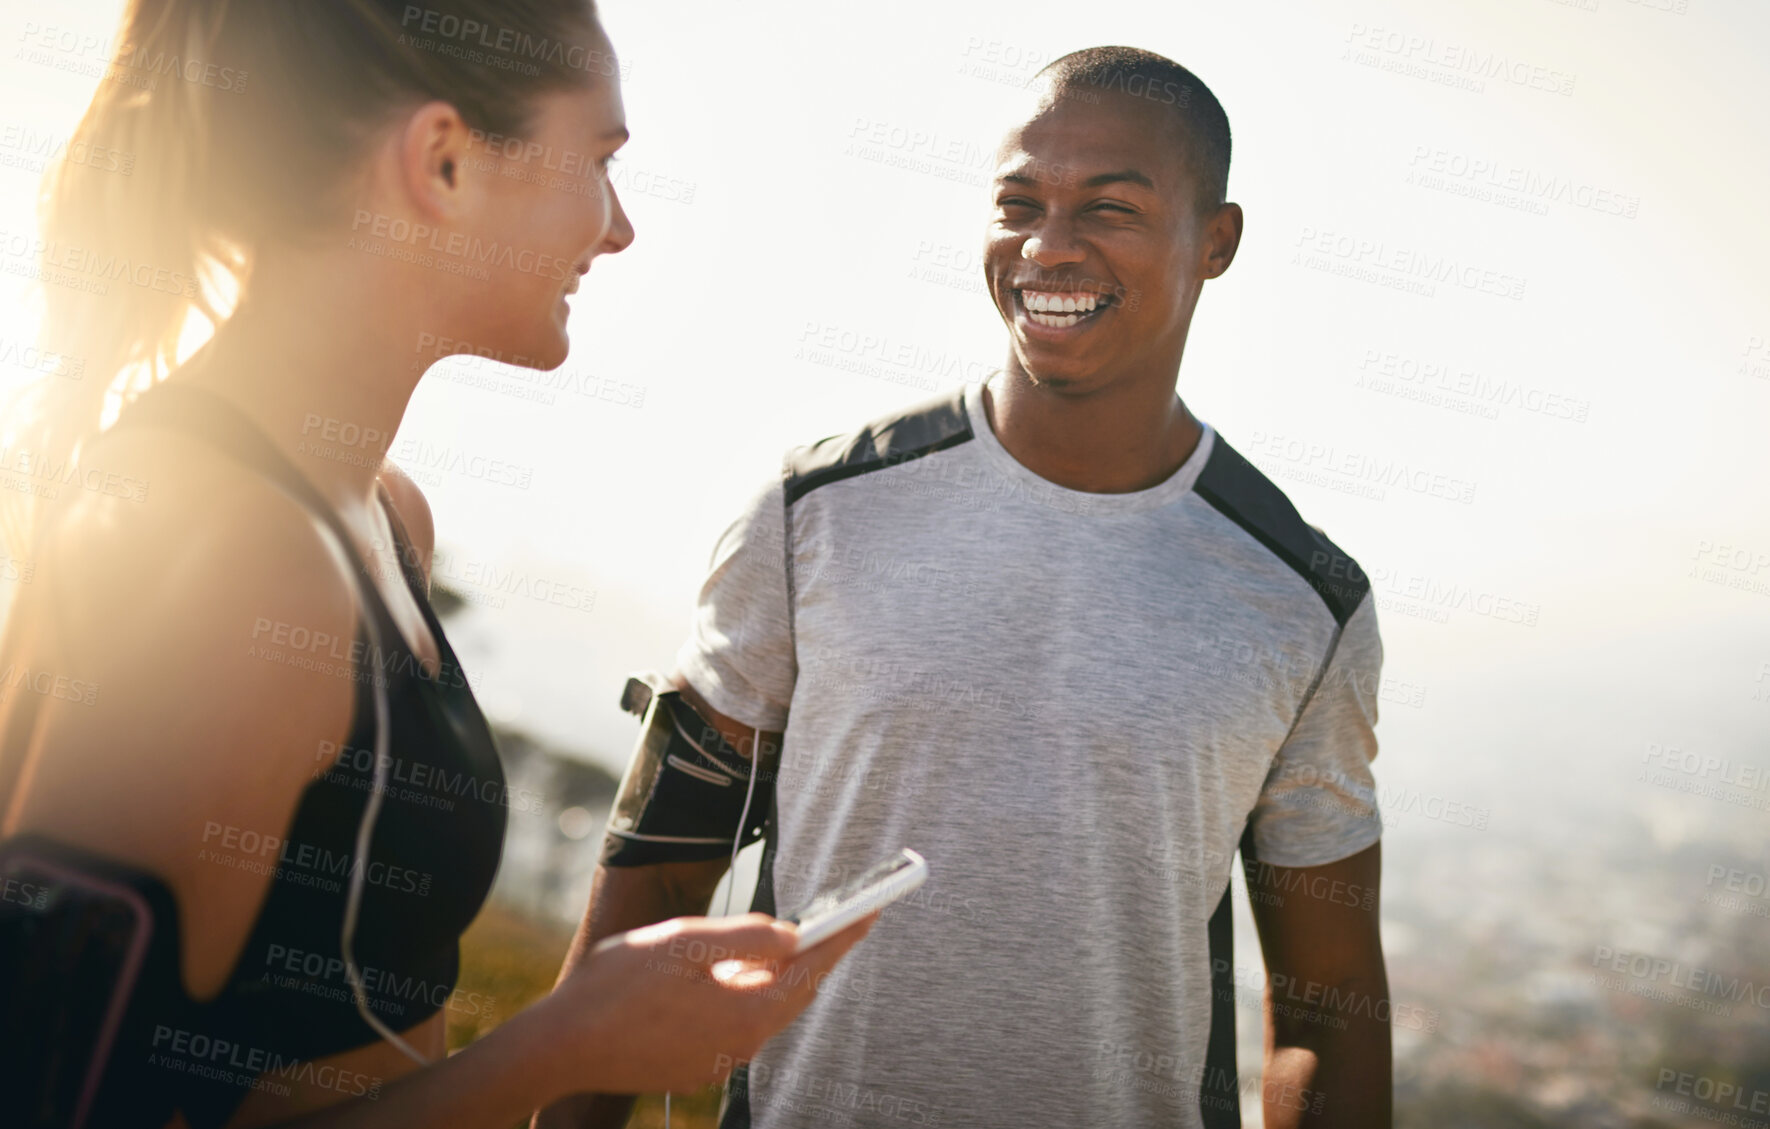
(119, 254)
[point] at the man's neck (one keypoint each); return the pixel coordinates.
(1125, 437)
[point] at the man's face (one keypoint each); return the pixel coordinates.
(1096, 248)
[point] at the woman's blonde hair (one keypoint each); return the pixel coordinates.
(239, 123)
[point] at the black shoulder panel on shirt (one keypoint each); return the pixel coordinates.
(933, 425)
(1236, 489)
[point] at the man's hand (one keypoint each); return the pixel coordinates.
(1327, 994)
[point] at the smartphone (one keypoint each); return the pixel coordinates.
(834, 910)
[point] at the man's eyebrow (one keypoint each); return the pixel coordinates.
(1123, 176)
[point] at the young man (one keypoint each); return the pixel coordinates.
(1057, 636)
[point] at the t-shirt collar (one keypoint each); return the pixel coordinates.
(1169, 490)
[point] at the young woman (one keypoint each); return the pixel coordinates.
(233, 578)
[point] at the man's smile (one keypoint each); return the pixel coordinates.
(1060, 309)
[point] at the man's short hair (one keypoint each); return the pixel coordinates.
(1144, 74)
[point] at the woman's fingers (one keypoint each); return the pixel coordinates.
(754, 938)
(706, 993)
(702, 942)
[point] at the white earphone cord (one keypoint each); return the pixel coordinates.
(737, 845)
(365, 830)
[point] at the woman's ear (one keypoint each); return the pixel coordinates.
(432, 159)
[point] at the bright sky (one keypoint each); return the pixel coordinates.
(807, 187)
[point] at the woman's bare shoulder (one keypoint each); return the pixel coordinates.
(214, 628)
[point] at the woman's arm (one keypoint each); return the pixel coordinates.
(647, 1011)
(202, 623)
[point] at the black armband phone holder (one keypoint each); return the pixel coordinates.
(88, 965)
(685, 788)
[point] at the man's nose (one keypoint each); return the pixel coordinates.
(1053, 244)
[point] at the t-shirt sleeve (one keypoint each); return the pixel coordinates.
(739, 651)
(1319, 802)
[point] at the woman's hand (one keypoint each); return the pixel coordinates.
(676, 1005)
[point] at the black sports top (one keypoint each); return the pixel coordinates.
(436, 846)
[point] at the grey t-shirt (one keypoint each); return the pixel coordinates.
(1073, 705)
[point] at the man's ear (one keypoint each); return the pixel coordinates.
(433, 150)
(1222, 238)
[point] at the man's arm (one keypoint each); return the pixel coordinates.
(1327, 994)
(627, 897)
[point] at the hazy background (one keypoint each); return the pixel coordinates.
(808, 173)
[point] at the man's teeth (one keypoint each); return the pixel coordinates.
(1046, 301)
(1044, 307)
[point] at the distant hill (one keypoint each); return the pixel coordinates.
(445, 601)
(557, 808)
